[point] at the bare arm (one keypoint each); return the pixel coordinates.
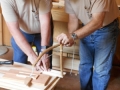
(20, 39)
(44, 64)
(94, 24)
(45, 28)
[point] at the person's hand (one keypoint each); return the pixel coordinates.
(65, 39)
(32, 58)
(43, 64)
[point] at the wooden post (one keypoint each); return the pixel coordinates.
(1, 33)
(61, 55)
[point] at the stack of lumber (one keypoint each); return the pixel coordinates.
(13, 77)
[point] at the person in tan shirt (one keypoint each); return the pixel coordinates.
(98, 38)
(29, 22)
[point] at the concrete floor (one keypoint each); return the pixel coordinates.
(71, 82)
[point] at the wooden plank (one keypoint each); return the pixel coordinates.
(42, 79)
(118, 2)
(1, 32)
(61, 59)
(59, 14)
(25, 76)
(52, 85)
(27, 81)
(55, 0)
(13, 85)
(66, 70)
(67, 63)
(6, 35)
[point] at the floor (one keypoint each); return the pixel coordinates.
(71, 81)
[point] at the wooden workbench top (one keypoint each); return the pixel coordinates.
(12, 84)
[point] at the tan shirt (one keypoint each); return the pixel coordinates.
(84, 9)
(25, 12)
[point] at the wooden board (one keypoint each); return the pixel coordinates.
(5, 82)
(118, 2)
(67, 63)
(13, 85)
(42, 79)
(1, 36)
(59, 14)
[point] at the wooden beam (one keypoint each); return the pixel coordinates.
(1, 30)
(118, 2)
(59, 14)
(55, 0)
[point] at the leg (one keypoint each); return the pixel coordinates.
(105, 45)
(86, 63)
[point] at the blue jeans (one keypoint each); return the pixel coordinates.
(96, 55)
(35, 39)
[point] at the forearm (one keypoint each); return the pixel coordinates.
(20, 39)
(95, 24)
(45, 34)
(87, 29)
(45, 29)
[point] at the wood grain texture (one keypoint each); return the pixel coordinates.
(118, 2)
(12, 84)
(1, 32)
(59, 14)
(42, 80)
(27, 81)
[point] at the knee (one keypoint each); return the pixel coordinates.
(101, 71)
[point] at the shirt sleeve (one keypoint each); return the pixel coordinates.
(45, 6)
(68, 7)
(8, 11)
(100, 6)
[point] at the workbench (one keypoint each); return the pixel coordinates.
(12, 84)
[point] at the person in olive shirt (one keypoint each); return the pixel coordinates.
(29, 22)
(98, 38)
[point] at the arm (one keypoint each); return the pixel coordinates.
(45, 24)
(45, 28)
(95, 23)
(73, 23)
(20, 40)
(72, 26)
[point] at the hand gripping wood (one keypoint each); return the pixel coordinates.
(48, 49)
